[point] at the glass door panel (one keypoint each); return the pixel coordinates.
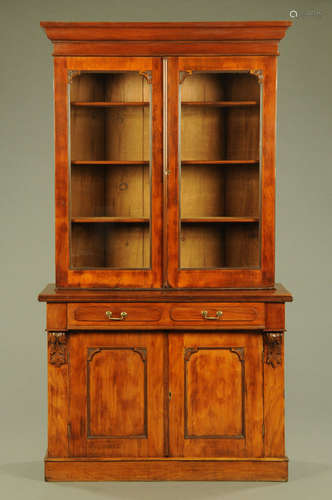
(110, 135)
(219, 170)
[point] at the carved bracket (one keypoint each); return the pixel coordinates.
(92, 352)
(57, 342)
(71, 75)
(273, 348)
(259, 74)
(184, 74)
(189, 351)
(141, 351)
(147, 75)
(239, 352)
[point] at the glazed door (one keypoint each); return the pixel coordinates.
(221, 140)
(108, 114)
(116, 395)
(215, 382)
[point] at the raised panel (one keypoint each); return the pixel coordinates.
(214, 392)
(216, 384)
(117, 396)
(117, 392)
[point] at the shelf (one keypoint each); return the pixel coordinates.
(220, 104)
(218, 219)
(100, 104)
(220, 162)
(105, 163)
(121, 220)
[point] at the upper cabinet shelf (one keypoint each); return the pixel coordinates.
(218, 219)
(221, 104)
(106, 163)
(220, 162)
(216, 104)
(100, 104)
(112, 220)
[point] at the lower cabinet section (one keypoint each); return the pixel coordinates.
(203, 399)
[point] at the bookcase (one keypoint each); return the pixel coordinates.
(165, 325)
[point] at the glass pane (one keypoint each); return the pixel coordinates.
(220, 170)
(110, 132)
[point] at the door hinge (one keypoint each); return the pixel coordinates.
(169, 395)
(263, 430)
(69, 431)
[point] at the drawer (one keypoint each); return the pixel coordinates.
(113, 315)
(219, 315)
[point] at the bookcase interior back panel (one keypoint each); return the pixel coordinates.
(110, 170)
(220, 170)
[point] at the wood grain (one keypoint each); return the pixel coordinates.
(274, 405)
(103, 366)
(56, 317)
(250, 443)
(277, 294)
(166, 470)
(58, 400)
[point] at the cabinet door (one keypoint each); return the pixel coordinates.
(116, 395)
(108, 120)
(215, 381)
(221, 145)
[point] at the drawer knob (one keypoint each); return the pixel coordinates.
(216, 317)
(109, 316)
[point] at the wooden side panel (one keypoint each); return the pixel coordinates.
(56, 318)
(117, 397)
(275, 316)
(61, 171)
(210, 376)
(274, 400)
(58, 397)
(268, 169)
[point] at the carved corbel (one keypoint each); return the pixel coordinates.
(147, 75)
(273, 348)
(189, 351)
(184, 74)
(259, 74)
(71, 75)
(239, 352)
(57, 353)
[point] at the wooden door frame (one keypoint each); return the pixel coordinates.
(126, 278)
(262, 277)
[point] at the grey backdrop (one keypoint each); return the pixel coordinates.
(303, 238)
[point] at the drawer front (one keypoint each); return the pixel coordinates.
(113, 315)
(219, 315)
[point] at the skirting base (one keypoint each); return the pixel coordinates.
(166, 469)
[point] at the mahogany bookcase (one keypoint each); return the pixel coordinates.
(165, 326)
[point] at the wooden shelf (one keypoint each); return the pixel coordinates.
(218, 219)
(106, 162)
(220, 162)
(120, 220)
(220, 104)
(100, 104)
